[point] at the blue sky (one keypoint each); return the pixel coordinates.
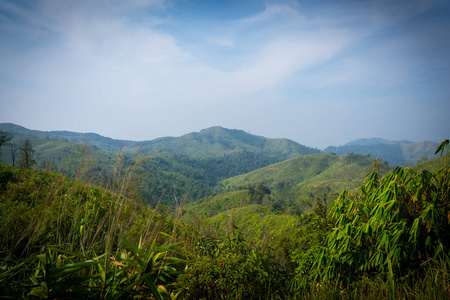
(318, 72)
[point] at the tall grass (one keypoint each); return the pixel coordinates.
(61, 238)
(434, 284)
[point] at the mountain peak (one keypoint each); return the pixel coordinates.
(213, 129)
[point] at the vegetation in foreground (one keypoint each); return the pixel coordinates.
(64, 239)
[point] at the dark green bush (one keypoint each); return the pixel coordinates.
(391, 225)
(227, 270)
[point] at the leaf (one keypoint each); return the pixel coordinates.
(68, 269)
(40, 291)
(442, 146)
(414, 229)
(391, 276)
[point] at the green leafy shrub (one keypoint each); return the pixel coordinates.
(7, 174)
(227, 270)
(391, 226)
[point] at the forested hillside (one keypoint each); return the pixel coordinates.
(302, 179)
(187, 167)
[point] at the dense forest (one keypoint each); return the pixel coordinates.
(281, 222)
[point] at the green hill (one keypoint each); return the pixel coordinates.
(77, 160)
(307, 177)
(413, 152)
(432, 165)
(38, 206)
(218, 141)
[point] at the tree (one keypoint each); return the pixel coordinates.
(13, 150)
(4, 138)
(26, 154)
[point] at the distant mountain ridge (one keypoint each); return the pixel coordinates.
(215, 142)
(211, 142)
(374, 141)
(396, 153)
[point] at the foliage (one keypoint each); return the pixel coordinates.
(228, 270)
(300, 248)
(391, 226)
(7, 174)
(443, 147)
(57, 273)
(53, 228)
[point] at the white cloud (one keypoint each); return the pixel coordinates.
(153, 66)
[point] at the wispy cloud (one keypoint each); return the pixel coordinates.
(107, 55)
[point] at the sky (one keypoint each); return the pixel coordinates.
(318, 72)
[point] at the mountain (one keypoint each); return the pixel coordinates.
(183, 167)
(396, 153)
(218, 141)
(211, 142)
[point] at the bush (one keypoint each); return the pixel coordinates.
(7, 174)
(391, 226)
(228, 271)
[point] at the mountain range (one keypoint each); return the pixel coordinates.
(218, 141)
(216, 160)
(211, 142)
(188, 166)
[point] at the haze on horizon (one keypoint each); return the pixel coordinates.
(318, 72)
